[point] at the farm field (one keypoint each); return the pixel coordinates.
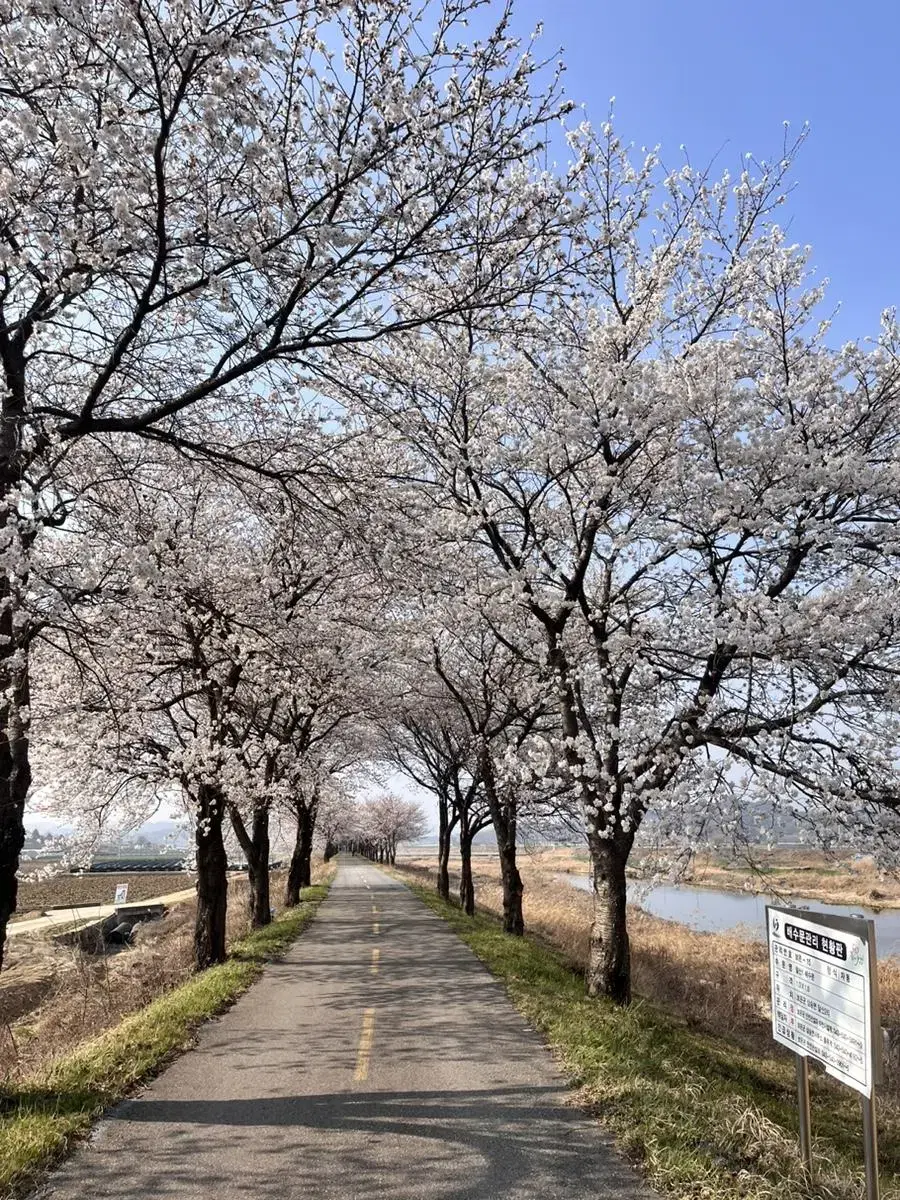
(35, 895)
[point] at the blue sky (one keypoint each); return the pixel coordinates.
(723, 77)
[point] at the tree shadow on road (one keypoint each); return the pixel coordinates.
(500, 1144)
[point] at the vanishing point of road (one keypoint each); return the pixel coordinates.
(378, 1061)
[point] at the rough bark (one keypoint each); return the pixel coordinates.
(15, 768)
(212, 879)
(513, 889)
(503, 819)
(258, 870)
(300, 872)
(255, 845)
(466, 883)
(443, 873)
(15, 780)
(609, 964)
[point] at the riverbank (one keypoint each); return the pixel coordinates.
(800, 873)
(715, 983)
(785, 873)
(704, 1116)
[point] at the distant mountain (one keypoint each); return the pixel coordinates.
(162, 832)
(47, 825)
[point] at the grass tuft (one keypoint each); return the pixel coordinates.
(706, 1119)
(42, 1114)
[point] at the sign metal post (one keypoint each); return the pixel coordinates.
(824, 978)
(805, 1113)
(870, 1143)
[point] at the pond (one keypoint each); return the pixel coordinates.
(711, 911)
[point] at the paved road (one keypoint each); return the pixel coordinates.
(378, 1061)
(87, 913)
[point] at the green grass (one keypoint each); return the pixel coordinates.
(704, 1118)
(42, 1115)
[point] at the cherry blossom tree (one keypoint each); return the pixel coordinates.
(319, 807)
(336, 815)
(427, 739)
(388, 820)
(692, 499)
(329, 745)
(220, 661)
(199, 203)
(494, 696)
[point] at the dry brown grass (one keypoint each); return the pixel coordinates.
(714, 982)
(53, 998)
(807, 873)
(783, 873)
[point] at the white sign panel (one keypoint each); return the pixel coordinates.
(121, 893)
(823, 992)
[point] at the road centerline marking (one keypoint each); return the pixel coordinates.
(376, 957)
(375, 927)
(366, 1038)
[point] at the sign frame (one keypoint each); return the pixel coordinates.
(864, 929)
(857, 927)
(121, 894)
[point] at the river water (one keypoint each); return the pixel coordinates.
(711, 911)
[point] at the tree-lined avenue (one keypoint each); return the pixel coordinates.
(379, 1059)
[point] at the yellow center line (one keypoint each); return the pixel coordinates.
(374, 908)
(374, 926)
(376, 955)
(365, 1045)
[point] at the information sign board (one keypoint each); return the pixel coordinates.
(825, 992)
(121, 893)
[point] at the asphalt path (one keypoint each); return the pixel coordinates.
(378, 1061)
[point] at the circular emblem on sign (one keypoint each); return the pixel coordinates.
(856, 954)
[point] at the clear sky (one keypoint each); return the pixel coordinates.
(722, 77)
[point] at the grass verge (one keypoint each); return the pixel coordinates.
(704, 1118)
(41, 1116)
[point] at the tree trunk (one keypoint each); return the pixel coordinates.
(466, 883)
(443, 873)
(212, 879)
(258, 871)
(15, 780)
(609, 964)
(16, 541)
(503, 819)
(513, 920)
(300, 872)
(255, 846)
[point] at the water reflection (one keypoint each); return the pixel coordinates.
(711, 911)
